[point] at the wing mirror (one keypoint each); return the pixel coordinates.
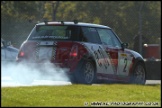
(5, 43)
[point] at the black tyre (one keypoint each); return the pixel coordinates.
(87, 73)
(139, 74)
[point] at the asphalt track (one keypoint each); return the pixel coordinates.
(7, 81)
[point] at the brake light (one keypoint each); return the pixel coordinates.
(74, 52)
(21, 54)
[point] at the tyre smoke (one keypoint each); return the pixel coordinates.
(28, 73)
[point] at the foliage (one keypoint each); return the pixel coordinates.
(19, 17)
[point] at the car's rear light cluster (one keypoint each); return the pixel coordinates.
(21, 54)
(74, 52)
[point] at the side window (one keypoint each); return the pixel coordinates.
(73, 32)
(90, 35)
(108, 38)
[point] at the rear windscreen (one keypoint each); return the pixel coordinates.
(53, 32)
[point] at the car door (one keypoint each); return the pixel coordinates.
(120, 60)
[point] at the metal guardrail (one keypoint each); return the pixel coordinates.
(151, 59)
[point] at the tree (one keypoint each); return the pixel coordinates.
(121, 16)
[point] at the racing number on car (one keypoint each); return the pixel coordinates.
(99, 54)
(125, 61)
(96, 56)
(106, 62)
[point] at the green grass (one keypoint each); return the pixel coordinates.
(77, 95)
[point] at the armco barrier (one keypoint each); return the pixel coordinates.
(153, 68)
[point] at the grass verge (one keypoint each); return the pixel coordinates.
(82, 95)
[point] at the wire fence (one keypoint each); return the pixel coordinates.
(17, 31)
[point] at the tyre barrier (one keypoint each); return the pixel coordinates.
(153, 69)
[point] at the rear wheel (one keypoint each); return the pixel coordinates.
(87, 74)
(139, 74)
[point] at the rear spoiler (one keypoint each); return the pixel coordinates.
(62, 22)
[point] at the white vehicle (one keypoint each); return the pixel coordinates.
(90, 52)
(8, 52)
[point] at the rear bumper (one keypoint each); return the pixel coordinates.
(44, 66)
(69, 66)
